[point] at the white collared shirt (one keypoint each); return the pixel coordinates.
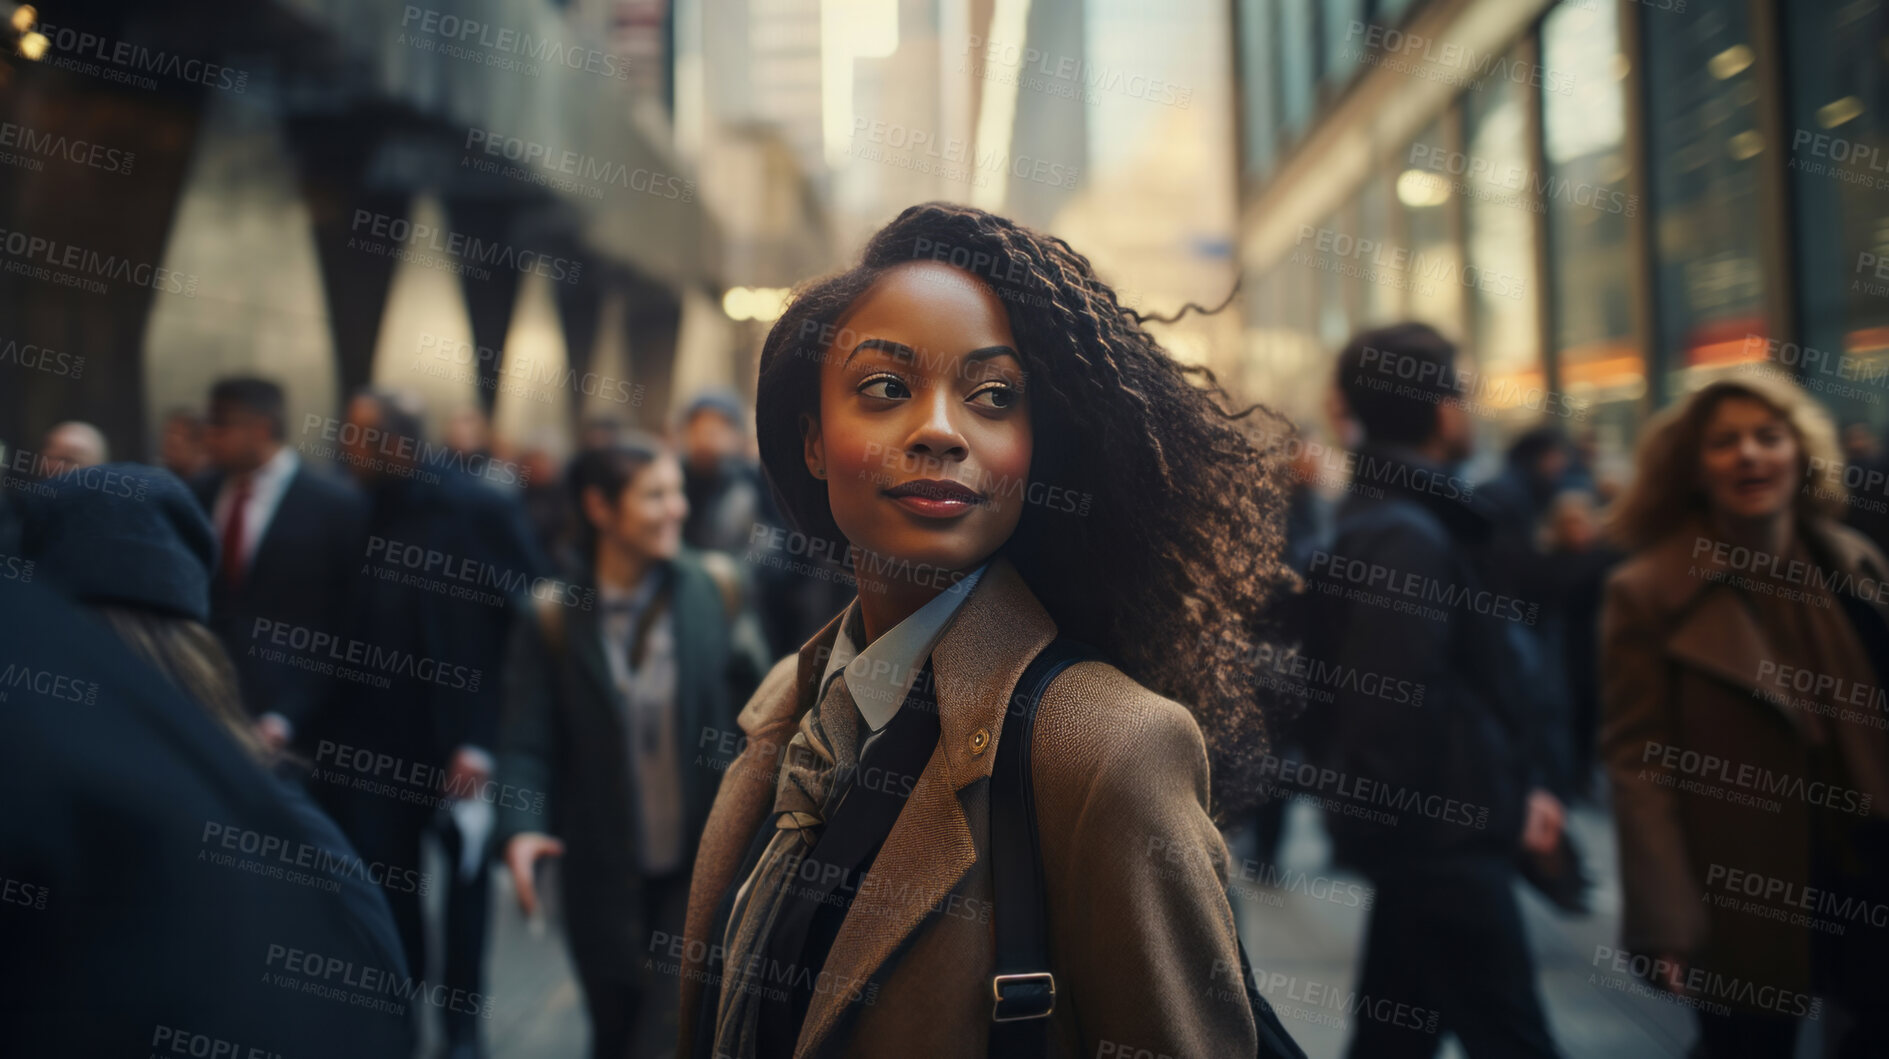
(881, 675)
(267, 484)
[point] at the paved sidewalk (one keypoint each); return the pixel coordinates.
(1313, 941)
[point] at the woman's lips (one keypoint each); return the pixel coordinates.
(934, 497)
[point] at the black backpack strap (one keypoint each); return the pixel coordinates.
(1023, 991)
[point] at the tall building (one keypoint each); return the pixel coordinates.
(1607, 202)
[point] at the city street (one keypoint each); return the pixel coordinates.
(1404, 408)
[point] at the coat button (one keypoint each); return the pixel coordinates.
(979, 740)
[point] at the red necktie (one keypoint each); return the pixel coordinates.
(233, 528)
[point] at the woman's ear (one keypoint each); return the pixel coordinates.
(813, 446)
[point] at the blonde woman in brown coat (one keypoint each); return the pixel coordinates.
(1744, 720)
(1005, 456)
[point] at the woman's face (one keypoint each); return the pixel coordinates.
(923, 435)
(646, 519)
(1750, 463)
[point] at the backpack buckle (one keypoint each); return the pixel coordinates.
(1022, 996)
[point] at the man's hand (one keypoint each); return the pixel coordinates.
(521, 856)
(470, 768)
(1542, 832)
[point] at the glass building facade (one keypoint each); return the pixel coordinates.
(1605, 202)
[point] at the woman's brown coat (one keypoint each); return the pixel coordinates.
(1693, 730)
(1141, 934)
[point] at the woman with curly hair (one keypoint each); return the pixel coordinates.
(1744, 648)
(1005, 456)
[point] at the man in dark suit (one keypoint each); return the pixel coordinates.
(447, 563)
(287, 538)
(612, 696)
(1442, 792)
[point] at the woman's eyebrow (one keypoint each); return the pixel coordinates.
(904, 352)
(992, 351)
(896, 349)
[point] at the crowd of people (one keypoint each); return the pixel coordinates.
(367, 644)
(1706, 640)
(405, 637)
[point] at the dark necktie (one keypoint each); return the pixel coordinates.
(234, 526)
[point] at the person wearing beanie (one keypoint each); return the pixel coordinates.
(128, 544)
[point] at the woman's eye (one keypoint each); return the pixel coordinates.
(996, 397)
(890, 387)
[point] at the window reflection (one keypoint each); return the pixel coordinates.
(1383, 302)
(1296, 76)
(1840, 91)
(1433, 272)
(1589, 212)
(1259, 70)
(1495, 176)
(1702, 109)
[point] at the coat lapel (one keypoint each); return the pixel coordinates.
(1716, 633)
(1721, 638)
(932, 846)
(584, 641)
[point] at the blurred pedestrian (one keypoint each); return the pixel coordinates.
(181, 447)
(290, 539)
(468, 432)
(71, 445)
(607, 707)
(452, 563)
(600, 432)
(547, 502)
(1445, 933)
(1569, 591)
(141, 756)
(1741, 571)
(732, 512)
(724, 486)
(1517, 499)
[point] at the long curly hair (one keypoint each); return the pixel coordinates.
(1172, 565)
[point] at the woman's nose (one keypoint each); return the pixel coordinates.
(936, 434)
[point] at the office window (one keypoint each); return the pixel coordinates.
(1430, 266)
(1702, 113)
(1383, 302)
(1839, 139)
(1259, 94)
(1344, 40)
(1590, 210)
(1338, 281)
(1389, 12)
(1494, 176)
(1296, 46)
(1291, 370)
